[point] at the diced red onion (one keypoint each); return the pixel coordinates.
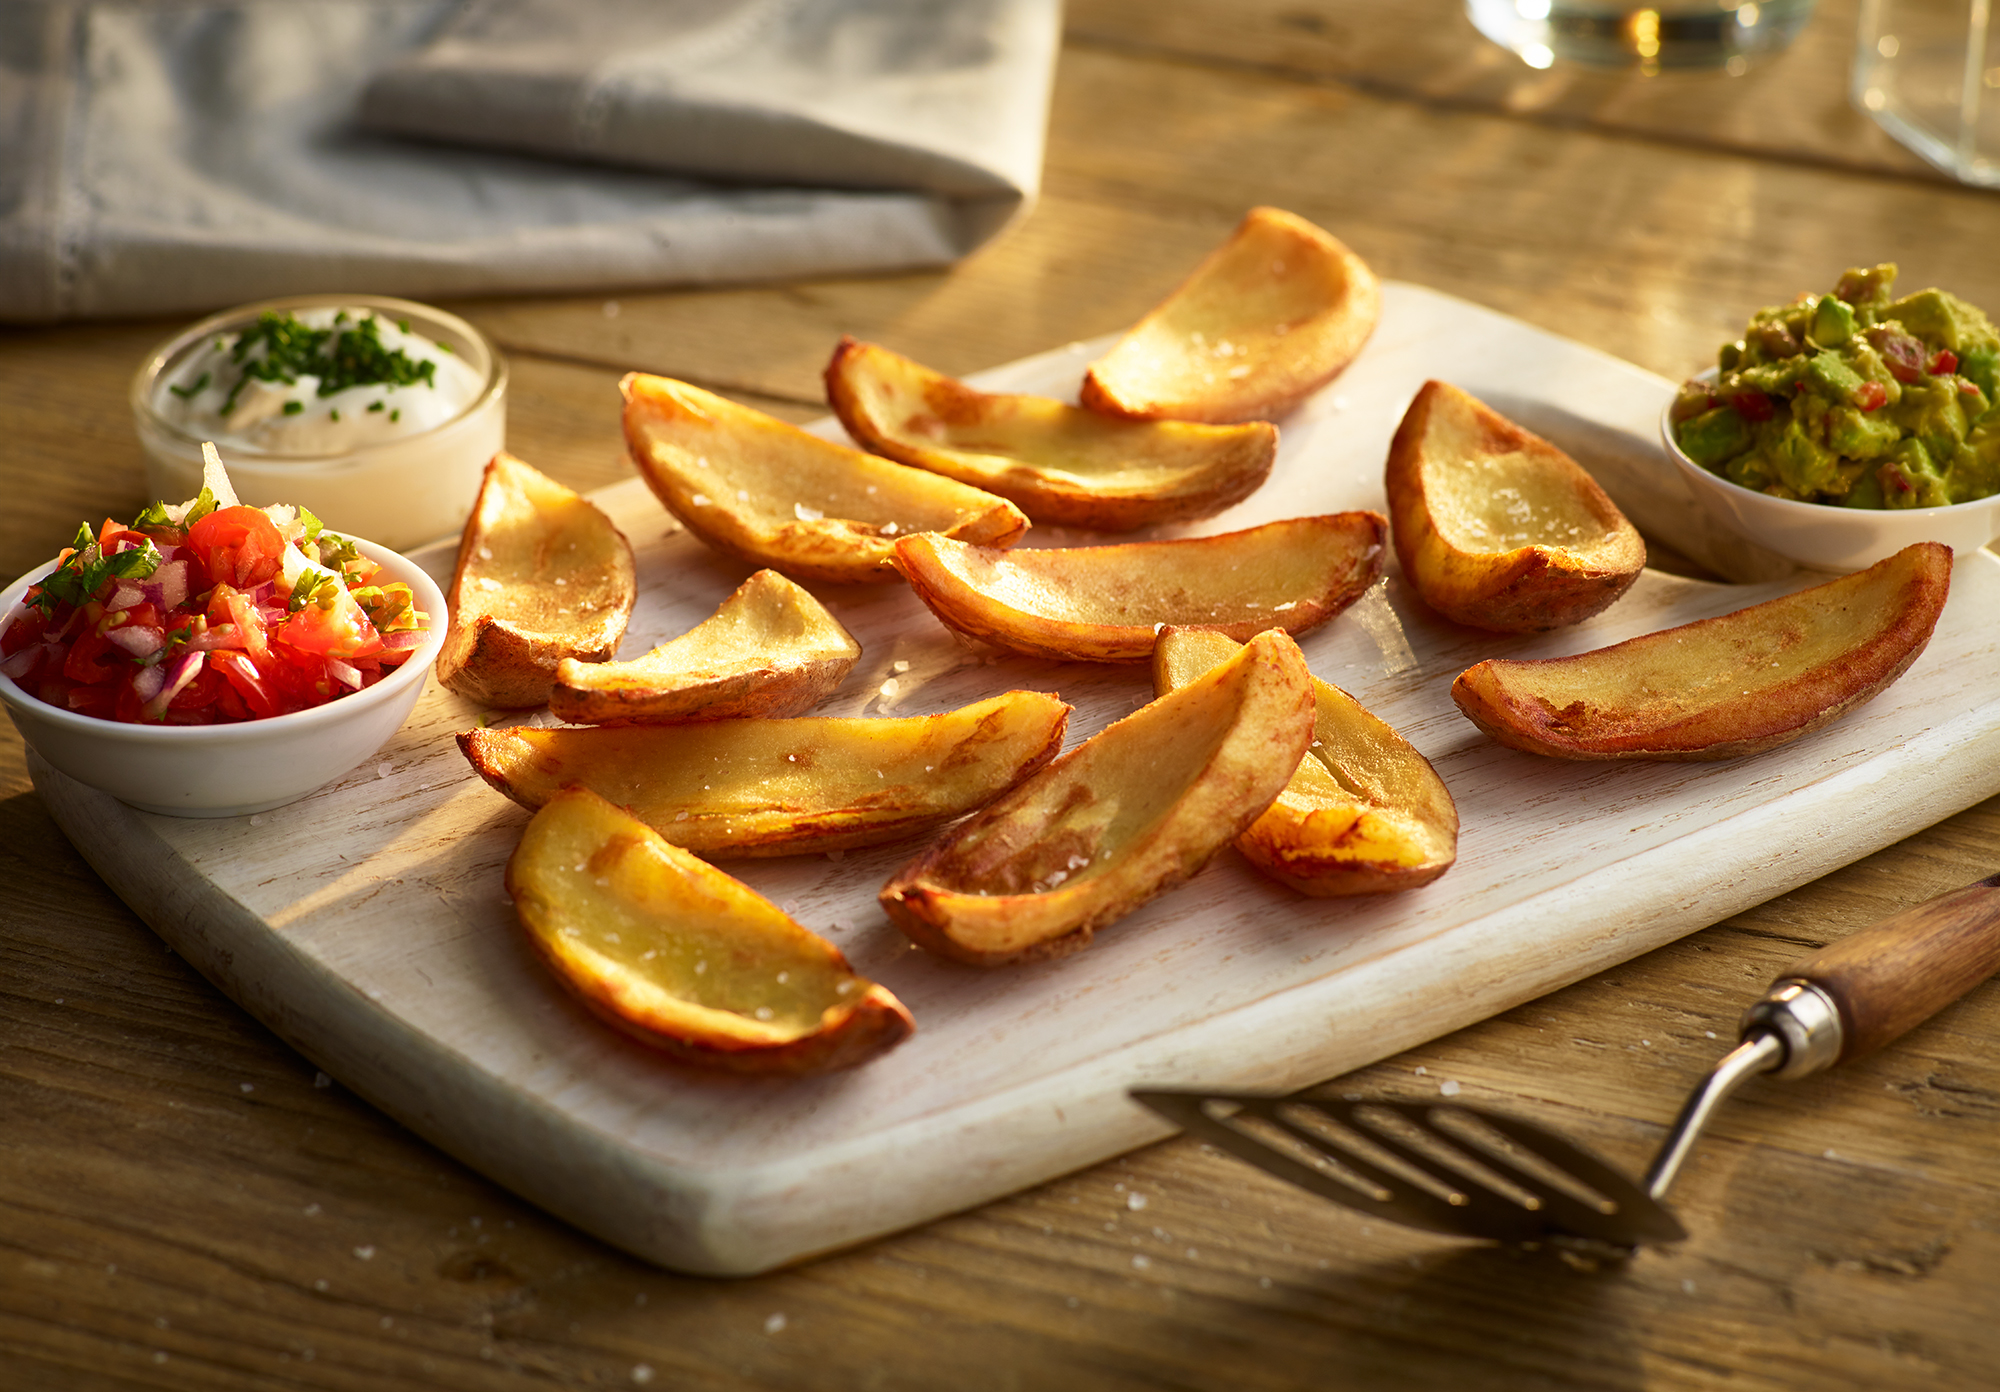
(221, 636)
(347, 673)
(404, 638)
(125, 596)
(147, 681)
(22, 662)
(141, 640)
(185, 669)
(265, 595)
(172, 579)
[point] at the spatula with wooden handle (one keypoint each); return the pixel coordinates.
(1470, 1172)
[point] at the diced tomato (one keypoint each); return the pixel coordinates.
(239, 546)
(248, 682)
(94, 659)
(28, 627)
(1753, 406)
(1943, 361)
(342, 631)
(1871, 396)
(204, 690)
(100, 700)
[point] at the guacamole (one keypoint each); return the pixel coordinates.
(1854, 399)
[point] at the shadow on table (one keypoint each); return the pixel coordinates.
(1484, 1317)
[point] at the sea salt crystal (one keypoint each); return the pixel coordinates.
(806, 514)
(1135, 1202)
(365, 1253)
(642, 1373)
(1449, 1089)
(701, 500)
(774, 1324)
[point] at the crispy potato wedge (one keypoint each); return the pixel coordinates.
(1059, 464)
(542, 575)
(1108, 603)
(680, 956)
(1129, 813)
(1497, 528)
(784, 787)
(1363, 814)
(768, 493)
(1269, 318)
(1738, 684)
(771, 650)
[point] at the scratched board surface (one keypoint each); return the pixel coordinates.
(367, 923)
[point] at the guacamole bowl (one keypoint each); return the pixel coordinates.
(1819, 536)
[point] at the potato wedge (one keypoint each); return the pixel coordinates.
(1108, 603)
(784, 787)
(542, 575)
(768, 493)
(1363, 814)
(1737, 684)
(1497, 528)
(680, 956)
(1129, 813)
(1059, 464)
(771, 650)
(1269, 318)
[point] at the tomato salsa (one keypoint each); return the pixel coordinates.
(203, 615)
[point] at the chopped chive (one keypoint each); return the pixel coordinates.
(395, 416)
(292, 408)
(191, 388)
(375, 406)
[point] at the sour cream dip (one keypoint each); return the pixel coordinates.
(377, 414)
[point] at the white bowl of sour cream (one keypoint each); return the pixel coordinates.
(377, 414)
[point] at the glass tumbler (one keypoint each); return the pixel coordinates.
(1924, 69)
(1649, 36)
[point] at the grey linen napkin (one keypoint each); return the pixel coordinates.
(179, 155)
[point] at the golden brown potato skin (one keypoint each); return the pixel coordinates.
(1109, 603)
(1123, 817)
(542, 575)
(1059, 464)
(763, 491)
(582, 864)
(784, 787)
(1572, 560)
(770, 650)
(1365, 813)
(1267, 319)
(1720, 688)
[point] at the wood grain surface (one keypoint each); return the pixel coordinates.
(181, 1206)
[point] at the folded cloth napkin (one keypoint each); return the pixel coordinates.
(178, 155)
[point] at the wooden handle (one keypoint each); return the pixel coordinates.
(1891, 977)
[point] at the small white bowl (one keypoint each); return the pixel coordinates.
(1822, 537)
(229, 770)
(404, 491)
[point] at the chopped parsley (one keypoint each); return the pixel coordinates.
(191, 388)
(84, 571)
(342, 356)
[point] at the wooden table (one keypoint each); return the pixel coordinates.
(183, 1203)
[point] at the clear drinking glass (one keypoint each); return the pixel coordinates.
(1727, 34)
(1925, 71)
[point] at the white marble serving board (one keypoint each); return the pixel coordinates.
(367, 925)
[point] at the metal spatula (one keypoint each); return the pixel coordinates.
(1470, 1172)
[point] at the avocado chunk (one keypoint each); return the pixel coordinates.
(1861, 399)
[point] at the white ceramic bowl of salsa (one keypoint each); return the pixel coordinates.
(236, 769)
